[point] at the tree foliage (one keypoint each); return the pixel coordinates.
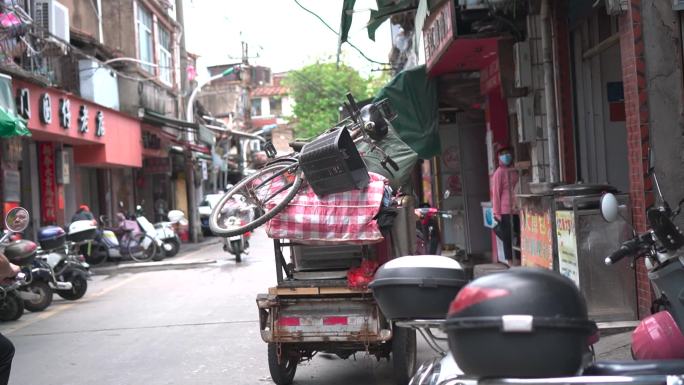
(319, 90)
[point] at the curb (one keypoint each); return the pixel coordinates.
(177, 262)
(149, 266)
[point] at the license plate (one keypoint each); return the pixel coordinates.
(235, 238)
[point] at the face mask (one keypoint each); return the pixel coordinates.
(506, 159)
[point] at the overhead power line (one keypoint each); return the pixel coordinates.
(338, 34)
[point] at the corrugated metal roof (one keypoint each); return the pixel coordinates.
(270, 91)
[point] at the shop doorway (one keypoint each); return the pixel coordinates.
(464, 182)
(601, 136)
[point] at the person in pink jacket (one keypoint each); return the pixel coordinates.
(504, 203)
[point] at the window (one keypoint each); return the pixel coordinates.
(276, 106)
(145, 43)
(256, 107)
(165, 62)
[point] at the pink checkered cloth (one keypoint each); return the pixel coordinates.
(340, 218)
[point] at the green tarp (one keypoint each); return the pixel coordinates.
(12, 125)
(386, 8)
(346, 22)
(413, 97)
(399, 151)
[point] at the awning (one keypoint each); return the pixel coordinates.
(413, 97)
(12, 125)
(386, 8)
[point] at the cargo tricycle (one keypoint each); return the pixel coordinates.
(312, 310)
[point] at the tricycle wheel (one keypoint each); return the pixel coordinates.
(403, 354)
(283, 369)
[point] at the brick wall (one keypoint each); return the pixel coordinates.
(637, 112)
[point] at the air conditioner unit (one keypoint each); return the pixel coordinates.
(53, 17)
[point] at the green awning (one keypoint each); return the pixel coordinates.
(413, 97)
(347, 15)
(386, 8)
(12, 125)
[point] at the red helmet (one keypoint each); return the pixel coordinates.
(658, 338)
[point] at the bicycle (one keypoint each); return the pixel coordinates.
(131, 242)
(272, 188)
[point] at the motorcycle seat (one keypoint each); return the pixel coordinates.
(634, 368)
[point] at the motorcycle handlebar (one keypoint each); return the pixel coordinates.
(627, 249)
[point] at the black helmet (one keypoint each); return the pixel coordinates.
(371, 113)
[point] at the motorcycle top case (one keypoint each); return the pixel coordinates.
(21, 253)
(520, 323)
(417, 286)
(51, 237)
(82, 230)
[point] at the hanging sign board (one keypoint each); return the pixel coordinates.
(568, 264)
(439, 32)
(48, 182)
(536, 235)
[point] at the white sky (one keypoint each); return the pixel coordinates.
(283, 35)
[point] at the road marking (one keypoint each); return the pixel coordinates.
(56, 310)
(211, 323)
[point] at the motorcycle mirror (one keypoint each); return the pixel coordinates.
(121, 204)
(447, 194)
(610, 209)
(17, 219)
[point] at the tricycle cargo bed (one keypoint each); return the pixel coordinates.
(330, 315)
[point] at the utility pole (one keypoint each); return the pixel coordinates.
(193, 214)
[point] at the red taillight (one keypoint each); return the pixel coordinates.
(288, 321)
(329, 321)
(471, 295)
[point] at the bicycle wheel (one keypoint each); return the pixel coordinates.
(268, 192)
(141, 247)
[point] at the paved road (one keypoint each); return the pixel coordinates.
(168, 326)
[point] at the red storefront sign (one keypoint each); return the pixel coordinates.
(439, 32)
(101, 137)
(48, 182)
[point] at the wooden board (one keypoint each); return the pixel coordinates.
(293, 291)
(313, 291)
(340, 290)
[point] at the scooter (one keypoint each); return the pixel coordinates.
(234, 215)
(237, 244)
(427, 230)
(168, 241)
(658, 336)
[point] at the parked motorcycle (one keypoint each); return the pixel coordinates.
(428, 240)
(41, 285)
(66, 267)
(659, 336)
(20, 253)
(169, 244)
